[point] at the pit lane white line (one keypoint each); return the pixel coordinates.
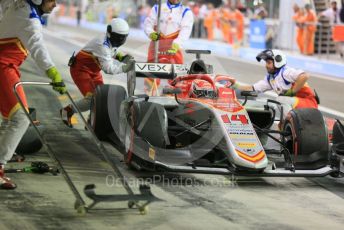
(323, 109)
(143, 54)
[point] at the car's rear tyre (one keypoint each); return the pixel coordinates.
(307, 140)
(338, 138)
(145, 121)
(105, 109)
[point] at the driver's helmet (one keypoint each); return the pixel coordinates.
(222, 82)
(201, 88)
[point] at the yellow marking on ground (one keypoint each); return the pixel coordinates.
(62, 98)
(65, 98)
(74, 120)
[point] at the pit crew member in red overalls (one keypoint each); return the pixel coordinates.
(176, 21)
(20, 34)
(98, 54)
(288, 83)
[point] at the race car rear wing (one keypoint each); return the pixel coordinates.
(153, 70)
(159, 70)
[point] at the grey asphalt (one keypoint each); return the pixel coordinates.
(191, 201)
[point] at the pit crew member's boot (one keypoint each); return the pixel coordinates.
(5, 182)
(17, 158)
(66, 115)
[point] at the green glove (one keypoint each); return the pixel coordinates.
(174, 49)
(124, 58)
(119, 56)
(154, 36)
(129, 66)
(57, 81)
(289, 93)
(234, 86)
(127, 58)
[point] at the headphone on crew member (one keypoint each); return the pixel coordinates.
(277, 56)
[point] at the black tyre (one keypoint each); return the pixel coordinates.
(338, 138)
(30, 142)
(105, 108)
(148, 122)
(151, 122)
(308, 139)
(338, 132)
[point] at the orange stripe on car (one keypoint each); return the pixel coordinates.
(258, 157)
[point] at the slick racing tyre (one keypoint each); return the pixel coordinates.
(30, 142)
(338, 138)
(105, 108)
(307, 141)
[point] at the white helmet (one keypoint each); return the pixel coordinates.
(176, 3)
(279, 58)
(117, 32)
(37, 2)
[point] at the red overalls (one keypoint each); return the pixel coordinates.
(305, 98)
(12, 55)
(165, 43)
(86, 73)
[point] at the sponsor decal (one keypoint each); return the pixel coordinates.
(153, 67)
(246, 145)
(160, 68)
(227, 93)
(243, 136)
(180, 68)
(235, 118)
(240, 132)
(225, 118)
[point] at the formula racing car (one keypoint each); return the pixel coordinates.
(200, 126)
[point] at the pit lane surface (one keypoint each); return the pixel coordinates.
(191, 201)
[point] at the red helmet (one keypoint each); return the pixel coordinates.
(201, 88)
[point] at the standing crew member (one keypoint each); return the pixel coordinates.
(225, 18)
(240, 24)
(20, 34)
(209, 21)
(176, 21)
(309, 21)
(98, 55)
(298, 15)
